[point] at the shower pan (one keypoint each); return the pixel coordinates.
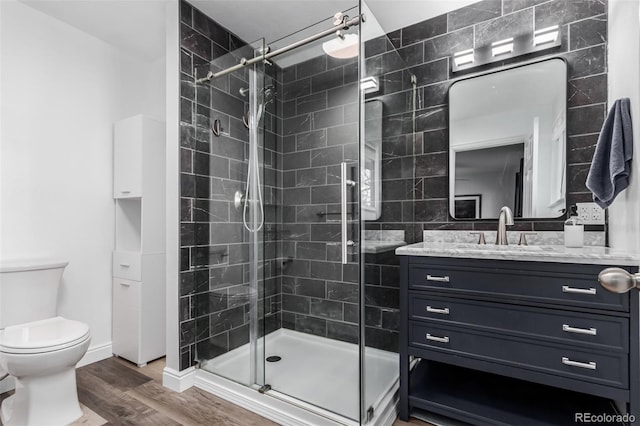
(289, 314)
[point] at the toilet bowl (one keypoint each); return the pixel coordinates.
(41, 356)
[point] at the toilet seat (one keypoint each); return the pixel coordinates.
(49, 335)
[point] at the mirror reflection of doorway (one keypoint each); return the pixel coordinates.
(489, 175)
(468, 206)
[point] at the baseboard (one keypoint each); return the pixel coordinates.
(272, 408)
(95, 354)
(178, 381)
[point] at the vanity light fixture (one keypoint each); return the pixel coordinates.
(508, 48)
(369, 84)
(546, 35)
(502, 47)
(464, 57)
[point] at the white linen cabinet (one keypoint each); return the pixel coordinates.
(139, 256)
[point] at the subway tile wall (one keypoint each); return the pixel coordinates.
(415, 182)
(214, 267)
(320, 98)
(415, 167)
(309, 130)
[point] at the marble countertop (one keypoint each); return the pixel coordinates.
(541, 253)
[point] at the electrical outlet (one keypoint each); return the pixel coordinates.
(597, 215)
(584, 211)
(590, 213)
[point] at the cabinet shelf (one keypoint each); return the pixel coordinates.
(479, 397)
(129, 224)
(139, 256)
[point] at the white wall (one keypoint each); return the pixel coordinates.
(61, 90)
(624, 81)
(497, 190)
(172, 45)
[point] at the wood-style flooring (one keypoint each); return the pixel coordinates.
(117, 392)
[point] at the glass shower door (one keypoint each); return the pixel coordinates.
(388, 148)
(312, 359)
(230, 298)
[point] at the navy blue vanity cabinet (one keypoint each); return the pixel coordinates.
(515, 342)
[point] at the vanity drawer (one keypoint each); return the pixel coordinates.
(127, 265)
(563, 327)
(538, 285)
(604, 368)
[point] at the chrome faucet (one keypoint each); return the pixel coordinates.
(505, 219)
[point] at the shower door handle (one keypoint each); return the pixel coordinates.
(344, 184)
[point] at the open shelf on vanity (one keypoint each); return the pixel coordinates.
(486, 398)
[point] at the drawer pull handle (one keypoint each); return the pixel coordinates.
(125, 285)
(444, 311)
(125, 265)
(589, 331)
(444, 279)
(125, 192)
(444, 339)
(588, 365)
(567, 289)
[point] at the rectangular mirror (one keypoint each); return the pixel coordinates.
(507, 142)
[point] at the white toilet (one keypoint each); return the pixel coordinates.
(39, 349)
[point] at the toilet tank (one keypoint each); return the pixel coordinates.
(29, 289)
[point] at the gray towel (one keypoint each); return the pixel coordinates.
(609, 172)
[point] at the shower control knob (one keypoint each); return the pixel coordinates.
(238, 200)
(617, 280)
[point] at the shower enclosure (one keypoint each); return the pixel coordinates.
(291, 274)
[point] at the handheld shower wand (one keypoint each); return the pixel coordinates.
(253, 169)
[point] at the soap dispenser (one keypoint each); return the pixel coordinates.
(573, 229)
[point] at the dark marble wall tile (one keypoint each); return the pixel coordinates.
(588, 32)
(195, 42)
(586, 58)
(474, 13)
(327, 80)
(584, 62)
(560, 12)
(584, 120)
(317, 102)
(587, 90)
(444, 45)
(203, 24)
(431, 72)
(311, 325)
(310, 67)
(435, 141)
(214, 254)
(376, 46)
(412, 55)
(577, 176)
(342, 331)
(435, 94)
(512, 25)
(424, 30)
(580, 149)
(510, 6)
